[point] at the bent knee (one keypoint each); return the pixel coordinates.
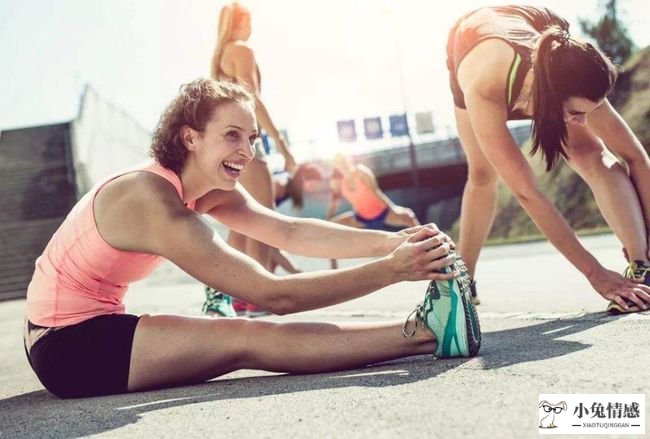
(482, 176)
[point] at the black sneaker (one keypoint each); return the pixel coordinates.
(638, 271)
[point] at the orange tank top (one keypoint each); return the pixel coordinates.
(79, 275)
(365, 202)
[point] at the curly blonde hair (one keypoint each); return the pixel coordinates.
(193, 107)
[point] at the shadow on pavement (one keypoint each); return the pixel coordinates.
(39, 414)
(538, 342)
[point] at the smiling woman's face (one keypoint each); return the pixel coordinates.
(576, 109)
(225, 147)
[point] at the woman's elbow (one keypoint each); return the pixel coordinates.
(280, 304)
(276, 300)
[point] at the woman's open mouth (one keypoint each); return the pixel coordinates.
(233, 169)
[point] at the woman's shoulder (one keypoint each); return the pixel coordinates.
(492, 58)
(139, 192)
(237, 48)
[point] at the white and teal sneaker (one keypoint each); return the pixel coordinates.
(218, 304)
(449, 313)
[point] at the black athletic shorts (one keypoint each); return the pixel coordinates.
(90, 358)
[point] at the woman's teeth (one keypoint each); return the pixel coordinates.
(234, 166)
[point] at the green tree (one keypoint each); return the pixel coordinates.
(610, 33)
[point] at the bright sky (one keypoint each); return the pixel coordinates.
(321, 60)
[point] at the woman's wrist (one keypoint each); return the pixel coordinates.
(392, 242)
(590, 267)
(386, 270)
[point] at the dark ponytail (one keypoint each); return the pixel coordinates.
(564, 68)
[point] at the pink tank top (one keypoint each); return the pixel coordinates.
(79, 275)
(363, 198)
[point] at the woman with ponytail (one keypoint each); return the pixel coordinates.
(234, 60)
(519, 62)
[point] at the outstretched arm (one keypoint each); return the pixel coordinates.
(149, 217)
(238, 211)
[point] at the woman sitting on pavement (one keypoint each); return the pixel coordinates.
(79, 340)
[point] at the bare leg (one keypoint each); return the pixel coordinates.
(346, 219)
(257, 180)
(478, 207)
(405, 218)
(172, 350)
(612, 188)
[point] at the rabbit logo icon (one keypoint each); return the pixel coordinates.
(547, 412)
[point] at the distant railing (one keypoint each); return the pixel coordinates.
(428, 155)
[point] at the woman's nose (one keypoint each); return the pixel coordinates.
(249, 149)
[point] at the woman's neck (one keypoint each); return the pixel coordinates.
(193, 184)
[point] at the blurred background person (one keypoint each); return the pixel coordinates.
(371, 208)
(234, 60)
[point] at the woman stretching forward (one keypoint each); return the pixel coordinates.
(80, 341)
(520, 62)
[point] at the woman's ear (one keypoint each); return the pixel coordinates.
(187, 137)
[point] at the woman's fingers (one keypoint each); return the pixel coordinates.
(619, 300)
(441, 263)
(443, 276)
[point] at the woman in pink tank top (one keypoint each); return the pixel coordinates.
(371, 208)
(81, 342)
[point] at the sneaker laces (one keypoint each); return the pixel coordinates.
(419, 315)
(636, 272)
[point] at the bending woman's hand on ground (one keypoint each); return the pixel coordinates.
(424, 252)
(613, 286)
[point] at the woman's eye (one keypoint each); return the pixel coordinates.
(232, 134)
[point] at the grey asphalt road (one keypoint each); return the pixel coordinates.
(544, 331)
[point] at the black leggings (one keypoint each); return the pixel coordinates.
(90, 358)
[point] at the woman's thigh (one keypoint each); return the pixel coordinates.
(480, 170)
(347, 219)
(175, 350)
(404, 217)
